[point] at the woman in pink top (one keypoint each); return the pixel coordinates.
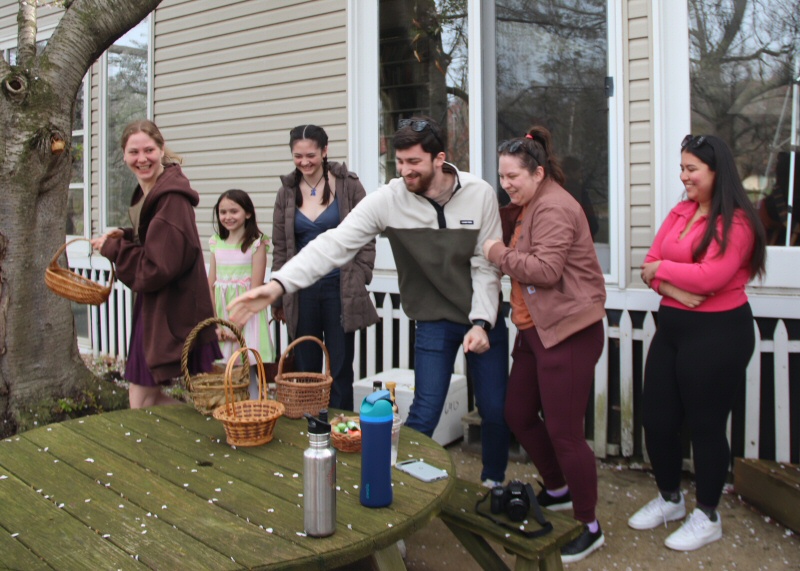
(704, 254)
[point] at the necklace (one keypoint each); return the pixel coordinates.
(314, 188)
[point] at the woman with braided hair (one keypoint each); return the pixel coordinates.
(557, 303)
(316, 197)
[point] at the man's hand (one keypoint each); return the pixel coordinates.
(476, 340)
(278, 314)
(241, 309)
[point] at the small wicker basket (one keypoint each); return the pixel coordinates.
(303, 393)
(74, 287)
(348, 441)
(248, 422)
(207, 390)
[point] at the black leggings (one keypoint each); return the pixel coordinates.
(696, 364)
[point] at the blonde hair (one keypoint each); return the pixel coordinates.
(149, 128)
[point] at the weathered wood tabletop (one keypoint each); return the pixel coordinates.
(160, 489)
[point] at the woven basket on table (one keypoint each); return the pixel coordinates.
(74, 287)
(348, 441)
(248, 422)
(207, 390)
(303, 393)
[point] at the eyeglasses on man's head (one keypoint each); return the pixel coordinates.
(419, 125)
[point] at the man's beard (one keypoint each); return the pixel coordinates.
(421, 183)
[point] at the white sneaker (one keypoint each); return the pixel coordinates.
(487, 483)
(657, 512)
(696, 532)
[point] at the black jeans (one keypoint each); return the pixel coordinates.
(696, 364)
(320, 315)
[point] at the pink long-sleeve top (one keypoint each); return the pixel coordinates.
(721, 278)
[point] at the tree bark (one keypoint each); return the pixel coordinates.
(39, 357)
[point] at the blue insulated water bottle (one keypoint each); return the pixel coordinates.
(376, 450)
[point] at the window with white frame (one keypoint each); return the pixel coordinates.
(737, 77)
(744, 59)
(487, 71)
(78, 197)
(125, 97)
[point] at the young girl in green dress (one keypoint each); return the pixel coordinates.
(238, 263)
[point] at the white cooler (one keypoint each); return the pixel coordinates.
(449, 428)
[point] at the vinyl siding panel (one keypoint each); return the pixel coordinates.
(640, 135)
(226, 102)
(47, 18)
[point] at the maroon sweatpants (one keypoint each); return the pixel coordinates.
(556, 382)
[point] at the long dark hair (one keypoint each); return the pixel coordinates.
(535, 150)
(251, 231)
(728, 195)
(320, 137)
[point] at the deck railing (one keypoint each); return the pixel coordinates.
(765, 423)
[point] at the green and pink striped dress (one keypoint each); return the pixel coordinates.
(234, 271)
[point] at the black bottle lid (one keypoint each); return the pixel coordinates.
(317, 426)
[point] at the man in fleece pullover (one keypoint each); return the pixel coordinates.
(436, 219)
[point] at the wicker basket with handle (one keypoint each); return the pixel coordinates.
(349, 441)
(74, 287)
(248, 422)
(303, 393)
(207, 390)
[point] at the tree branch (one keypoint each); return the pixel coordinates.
(458, 92)
(26, 34)
(86, 30)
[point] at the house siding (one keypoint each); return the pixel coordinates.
(639, 136)
(48, 17)
(226, 103)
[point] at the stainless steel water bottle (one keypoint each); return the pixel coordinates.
(319, 480)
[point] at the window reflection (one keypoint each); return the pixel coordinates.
(423, 71)
(744, 56)
(126, 101)
(552, 61)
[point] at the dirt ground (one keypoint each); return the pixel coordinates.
(751, 541)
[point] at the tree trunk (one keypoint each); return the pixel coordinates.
(39, 357)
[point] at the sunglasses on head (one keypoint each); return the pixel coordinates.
(512, 147)
(692, 142)
(419, 125)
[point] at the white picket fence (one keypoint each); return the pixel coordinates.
(388, 344)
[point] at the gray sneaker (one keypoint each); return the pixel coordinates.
(657, 512)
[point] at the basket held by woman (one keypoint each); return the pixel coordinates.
(303, 393)
(248, 422)
(207, 390)
(72, 286)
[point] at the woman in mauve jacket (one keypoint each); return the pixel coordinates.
(557, 303)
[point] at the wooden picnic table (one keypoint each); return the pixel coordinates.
(159, 488)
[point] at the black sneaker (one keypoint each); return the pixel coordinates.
(580, 547)
(552, 503)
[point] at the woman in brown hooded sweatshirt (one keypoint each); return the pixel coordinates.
(160, 258)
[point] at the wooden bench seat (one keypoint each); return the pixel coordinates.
(473, 531)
